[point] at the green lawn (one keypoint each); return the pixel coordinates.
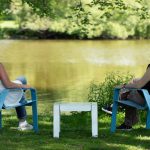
(75, 133)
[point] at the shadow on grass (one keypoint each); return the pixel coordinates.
(75, 135)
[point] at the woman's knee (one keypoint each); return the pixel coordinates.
(22, 79)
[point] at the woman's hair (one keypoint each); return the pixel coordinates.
(148, 66)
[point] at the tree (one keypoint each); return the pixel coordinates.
(110, 18)
(41, 7)
(4, 6)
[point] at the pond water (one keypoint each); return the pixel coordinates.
(63, 69)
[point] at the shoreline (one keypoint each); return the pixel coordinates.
(28, 34)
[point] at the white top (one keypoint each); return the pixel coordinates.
(14, 95)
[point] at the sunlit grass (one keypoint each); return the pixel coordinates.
(75, 132)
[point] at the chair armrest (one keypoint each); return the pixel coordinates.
(117, 88)
(21, 88)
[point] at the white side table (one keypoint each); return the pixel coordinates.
(75, 106)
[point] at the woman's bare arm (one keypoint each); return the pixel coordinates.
(134, 80)
(139, 83)
(6, 81)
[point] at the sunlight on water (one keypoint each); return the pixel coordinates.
(65, 68)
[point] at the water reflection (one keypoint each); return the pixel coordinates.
(64, 69)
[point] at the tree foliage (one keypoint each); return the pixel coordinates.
(41, 7)
(4, 6)
(111, 18)
(85, 19)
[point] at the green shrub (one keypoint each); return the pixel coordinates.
(102, 93)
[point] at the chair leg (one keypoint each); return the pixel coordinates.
(35, 116)
(148, 120)
(0, 119)
(113, 118)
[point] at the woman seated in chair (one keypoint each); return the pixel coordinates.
(20, 82)
(131, 116)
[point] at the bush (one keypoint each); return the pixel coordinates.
(102, 93)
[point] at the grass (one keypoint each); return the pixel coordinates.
(75, 132)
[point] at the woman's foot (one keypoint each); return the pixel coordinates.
(107, 109)
(24, 126)
(124, 127)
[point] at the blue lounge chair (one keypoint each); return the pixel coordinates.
(116, 102)
(32, 102)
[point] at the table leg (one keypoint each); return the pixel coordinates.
(56, 120)
(94, 115)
